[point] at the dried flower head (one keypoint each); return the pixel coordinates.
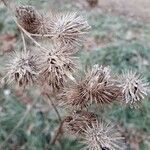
(79, 120)
(102, 136)
(68, 28)
(31, 20)
(134, 88)
(21, 68)
(56, 67)
(97, 87)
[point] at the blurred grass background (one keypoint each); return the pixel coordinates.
(115, 40)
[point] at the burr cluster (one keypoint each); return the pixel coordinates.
(55, 66)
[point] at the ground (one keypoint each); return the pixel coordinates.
(138, 9)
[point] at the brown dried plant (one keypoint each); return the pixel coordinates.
(97, 87)
(75, 123)
(22, 68)
(55, 67)
(101, 136)
(133, 88)
(31, 20)
(68, 28)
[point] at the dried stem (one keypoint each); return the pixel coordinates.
(59, 131)
(4, 2)
(51, 103)
(29, 36)
(42, 35)
(24, 31)
(24, 43)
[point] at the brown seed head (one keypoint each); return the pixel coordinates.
(22, 69)
(31, 20)
(68, 28)
(97, 87)
(74, 124)
(56, 66)
(134, 88)
(102, 136)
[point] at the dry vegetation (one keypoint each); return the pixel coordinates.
(53, 102)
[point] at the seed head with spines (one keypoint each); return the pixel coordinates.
(134, 88)
(97, 87)
(22, 68)
(56, 66)
(77, 121)
(101, 136)
(31, 20)
(68, 28)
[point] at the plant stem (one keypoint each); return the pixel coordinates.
(4, 2)
(28, 35)
(51, 103)
(23, 30)
(24, 43)
(59, 131)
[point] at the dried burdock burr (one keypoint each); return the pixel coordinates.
(102, 136)
(96, 87)
(53, 67)
(56, 66)
(68, 28)
(77, 121)
(21, 68)
(31, 20)
(133, 88)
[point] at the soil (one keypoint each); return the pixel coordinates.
(137, 9)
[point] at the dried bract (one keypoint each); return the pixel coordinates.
(97, 87)
(102, 136)
(75, 123)
(56, 66)
(134, 88)
(68, 28)
(21, 68)
(31, 20)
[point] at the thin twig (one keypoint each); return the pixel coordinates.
(23, 30)
(4, 2)
(51, 103)
(29, 107)
(59, 131)
(28, 34)
(42, 35)
(24, 43)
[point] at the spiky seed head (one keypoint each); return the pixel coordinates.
(102, 136)
(97, 87)
(21, 68)
(75, 123)
(32, 21)
(56, 66)
(68, 28)
(134, 88)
